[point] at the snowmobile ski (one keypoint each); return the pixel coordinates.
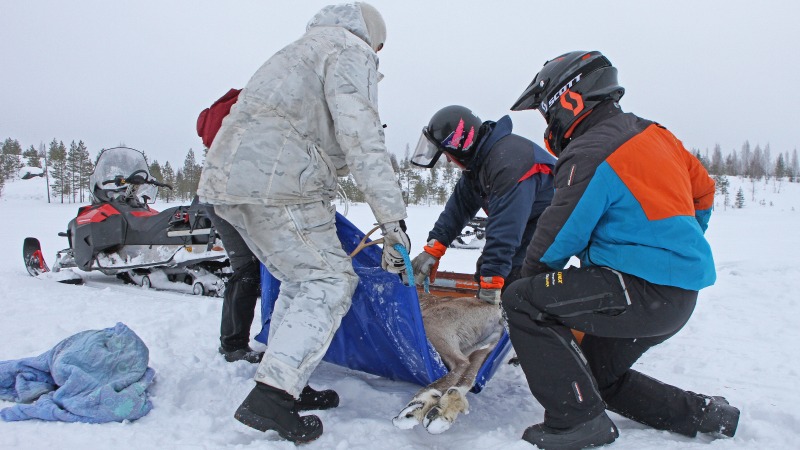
(37, 267)
(32, 254)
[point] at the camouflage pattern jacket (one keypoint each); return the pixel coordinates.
(308, 114)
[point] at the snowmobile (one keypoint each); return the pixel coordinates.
(473, 236)
(120, 234)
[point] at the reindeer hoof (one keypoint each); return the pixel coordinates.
(435, 422)
(409, 416)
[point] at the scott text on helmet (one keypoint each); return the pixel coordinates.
(560, 92)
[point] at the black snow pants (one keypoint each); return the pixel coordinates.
(622, 316)
(242, 289)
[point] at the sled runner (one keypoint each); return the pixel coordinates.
(383, 333)
(473, 238)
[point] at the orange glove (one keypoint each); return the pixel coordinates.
(490, 289)
(426, 263)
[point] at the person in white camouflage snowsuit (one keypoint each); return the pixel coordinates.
(308, 115)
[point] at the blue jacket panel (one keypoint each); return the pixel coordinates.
(609, 228)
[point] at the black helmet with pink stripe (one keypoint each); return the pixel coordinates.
(453, 130)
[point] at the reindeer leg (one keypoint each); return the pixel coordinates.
(427, 398)
(416, 409)
(454, 401)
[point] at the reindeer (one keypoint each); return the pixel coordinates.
(464, 331)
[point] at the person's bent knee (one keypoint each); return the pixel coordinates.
(515, 294)
(517, 305)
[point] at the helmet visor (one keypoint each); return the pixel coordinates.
(427, 152)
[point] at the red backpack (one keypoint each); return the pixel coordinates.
(210, 119)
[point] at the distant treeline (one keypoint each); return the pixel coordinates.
(754, 163)
(68, 170)
(434, 186)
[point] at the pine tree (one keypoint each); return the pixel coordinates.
(73, 169)
(432, 183)
(348, 186)
(717, 166)
(406, 178)
(757, 169)
(420, 191)
(780, 171)
(180, 182)
(722, 188)
(703, 160)
(191, 176)
(740, 198)
(732, 164)
(155, 171)
(744, 160)
(780, 167)
(85, 169)
(57, 156)
(31, 156)
(169, 178)
(10, 162)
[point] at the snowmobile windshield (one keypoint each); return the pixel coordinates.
(116, 164)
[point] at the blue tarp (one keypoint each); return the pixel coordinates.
(93, 376)
(383, 333)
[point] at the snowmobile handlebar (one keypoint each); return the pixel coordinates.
(137, 178)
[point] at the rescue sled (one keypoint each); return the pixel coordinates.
(383, 333)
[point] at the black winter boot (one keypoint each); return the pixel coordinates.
(242, 354)
(719, 417)
(269, 408)
(593, 433)
(311, 399)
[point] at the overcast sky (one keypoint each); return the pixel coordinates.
(138, 72)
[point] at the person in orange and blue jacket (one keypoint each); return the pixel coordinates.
(506, 175)
(633, 205)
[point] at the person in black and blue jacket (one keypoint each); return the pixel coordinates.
(633, 205)
(508, 176)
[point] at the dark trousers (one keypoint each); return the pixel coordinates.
(622, 316)
(242, 289)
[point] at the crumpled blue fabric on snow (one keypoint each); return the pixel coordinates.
(94, 376)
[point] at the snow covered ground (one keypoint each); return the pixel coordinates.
(738, 344)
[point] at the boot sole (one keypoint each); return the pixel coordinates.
(599, 437)
(265, 424)
(587, 442)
